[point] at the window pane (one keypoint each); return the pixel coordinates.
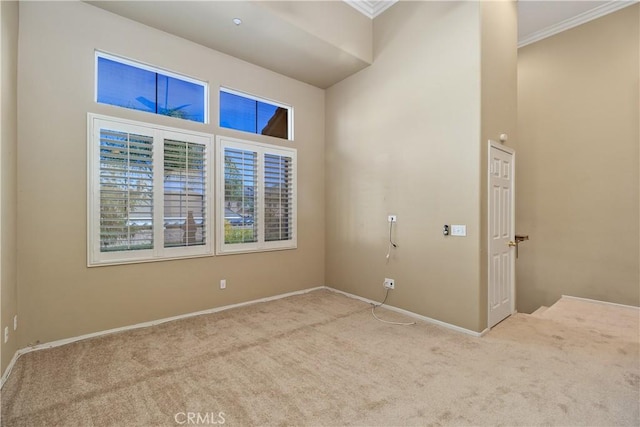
(273, 120)
(278, 198)
(249, 115)
(181, 99)
(237, 112)
(126, 86)
(147, 90)
(184, 194)
(126, 191)
(240, 183)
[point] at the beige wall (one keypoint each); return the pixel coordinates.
(59, 296)
(8, 179)
(499, 39)
(578, 160)
(334, 22)
(403, 138)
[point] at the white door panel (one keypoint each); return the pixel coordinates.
(501, 234)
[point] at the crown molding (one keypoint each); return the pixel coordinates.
(580, 19)
(370, 8)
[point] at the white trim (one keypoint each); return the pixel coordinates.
(574, 21)
(261, 150)
(370, 8)
(414, 315)
(71, 340)
(512, 231)
(595, 301)
(10, 366)
(95, 258)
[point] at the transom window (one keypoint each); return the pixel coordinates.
(248, 113)
(129, 84)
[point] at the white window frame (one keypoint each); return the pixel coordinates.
(153, 69)
(261, 149)
(95, 257)
(289, 108)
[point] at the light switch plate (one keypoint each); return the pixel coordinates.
(458, 230)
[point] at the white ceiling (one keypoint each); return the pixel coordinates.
(272, 43)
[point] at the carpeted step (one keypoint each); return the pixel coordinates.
(609, 319)
(540, 311)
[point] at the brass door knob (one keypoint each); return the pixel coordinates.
(512, 243)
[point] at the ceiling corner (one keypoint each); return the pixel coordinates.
(371, 8)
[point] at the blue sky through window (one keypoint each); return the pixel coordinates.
(245, 114)
(136, 88)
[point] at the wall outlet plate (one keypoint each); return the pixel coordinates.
(223, 284)
(389, 284)
(458, 230)
(15, 322)
(6, 334)
(392, 218)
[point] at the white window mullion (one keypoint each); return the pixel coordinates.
(94, 193)
(260, 198)
(158, 200)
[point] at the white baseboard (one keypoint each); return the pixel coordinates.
(65, 341)
(595, 301)
(414, 315)
(7, 371)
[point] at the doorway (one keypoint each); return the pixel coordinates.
(501, 233)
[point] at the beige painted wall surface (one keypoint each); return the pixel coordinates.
(8, 180)
(499, 89)
(59, 296)
(402, 138)
(578, 162)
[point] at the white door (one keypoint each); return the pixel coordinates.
(501, 233)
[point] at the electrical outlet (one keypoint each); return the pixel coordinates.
(6, 334)
(389, 284)
(392, 218)
(15, 322)
(223, 284)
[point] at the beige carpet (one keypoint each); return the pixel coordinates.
(321, 359)
(606, 319)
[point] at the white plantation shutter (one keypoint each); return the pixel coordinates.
(240, 193)
(126, 191)
(149, 192)
(257, 208)
(185, 187)
(278, 197)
